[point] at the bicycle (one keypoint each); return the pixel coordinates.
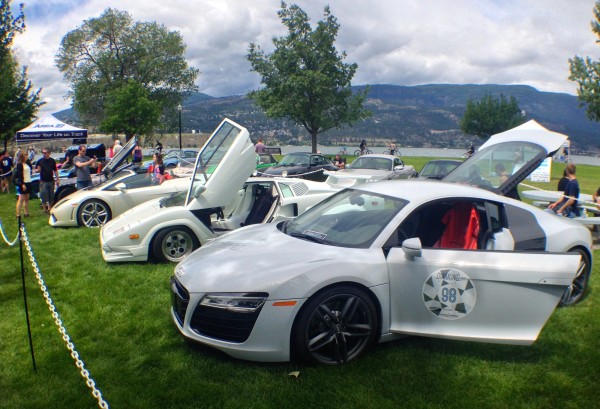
(396, 152)
(358, 152)
(343, 151)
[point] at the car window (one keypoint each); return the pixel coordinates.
(351, 218)
(134, 182)
(451, 223)
(294, 159)
(286, 190)
(491, 167)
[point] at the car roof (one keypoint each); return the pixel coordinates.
(420, 190)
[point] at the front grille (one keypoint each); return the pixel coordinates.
(180, 299)
(223, 324)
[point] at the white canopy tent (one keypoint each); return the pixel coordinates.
(49, 127)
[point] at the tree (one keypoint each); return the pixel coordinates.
(491, 116)
(305, 79)
(587, 75)
(18, 101)
(130, 111)
(106, 52)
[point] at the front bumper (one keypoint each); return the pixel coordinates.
(267, 339)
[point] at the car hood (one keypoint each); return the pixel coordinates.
(254, 258)
(144, 212)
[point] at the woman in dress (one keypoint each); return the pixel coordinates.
(23, 183)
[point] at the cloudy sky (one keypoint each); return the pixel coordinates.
(402, 42)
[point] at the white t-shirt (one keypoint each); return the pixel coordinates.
(26, 173)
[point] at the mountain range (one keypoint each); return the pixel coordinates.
(415, 116)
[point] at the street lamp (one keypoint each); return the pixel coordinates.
(179, 108)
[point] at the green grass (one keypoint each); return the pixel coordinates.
(118, 318)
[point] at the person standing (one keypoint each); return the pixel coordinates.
(137, 154)
(567, 204)
(46, 167)
(83, 163)
(31, 153)
(23, 182)
(158, 170)
(6, 163)
(259, 147)
(117, 147)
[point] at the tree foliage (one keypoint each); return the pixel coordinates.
(586, 72)
(491, 115)
(130, 111)
(305, 79)
(18, 101)
(107, 52)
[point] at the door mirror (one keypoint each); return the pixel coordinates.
(121, 187)
(198, 191)
(412, 247)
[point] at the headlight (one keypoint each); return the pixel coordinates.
(236, 302)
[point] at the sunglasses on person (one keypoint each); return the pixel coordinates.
(46, 153)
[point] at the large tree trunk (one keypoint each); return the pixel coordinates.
(313, 135)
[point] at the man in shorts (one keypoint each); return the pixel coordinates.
(83, 163)
(6, 163)
(46, 167)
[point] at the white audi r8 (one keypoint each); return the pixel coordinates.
(455, 259)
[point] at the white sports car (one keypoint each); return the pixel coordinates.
(389, 259)
(169, 229)
(370, 168)
(96, 206)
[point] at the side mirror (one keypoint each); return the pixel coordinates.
(121, 187)
(399, 167)
(412, 248)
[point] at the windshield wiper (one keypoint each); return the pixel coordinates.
(310, 237)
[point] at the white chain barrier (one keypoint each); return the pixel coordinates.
(10, 243)
(70, 346)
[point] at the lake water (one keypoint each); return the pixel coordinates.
(425, 152)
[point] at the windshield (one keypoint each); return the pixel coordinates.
(175, 199)
(350, 218)
(294, 159)
(210, 157)
(493, 166)
(437, 169)
(372, 163)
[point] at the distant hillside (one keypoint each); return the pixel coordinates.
(418, 116)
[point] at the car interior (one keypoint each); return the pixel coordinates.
(456, 223)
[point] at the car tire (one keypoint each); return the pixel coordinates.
(93, 213)
(575, 292)
(173, 244)
(335, 326)
(63, 192)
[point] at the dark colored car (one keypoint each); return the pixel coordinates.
(174, 158)
(302, 165)
(438, 168)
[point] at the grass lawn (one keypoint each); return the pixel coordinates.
(118, 319)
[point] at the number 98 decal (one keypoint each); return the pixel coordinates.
(449, 294)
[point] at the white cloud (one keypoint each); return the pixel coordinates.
(404, 42)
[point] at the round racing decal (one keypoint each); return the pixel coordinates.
(449, 294)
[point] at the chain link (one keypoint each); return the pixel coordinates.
(70, 346)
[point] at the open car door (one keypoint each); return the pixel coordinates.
(486, 296)
(507, 158)
(222, 166)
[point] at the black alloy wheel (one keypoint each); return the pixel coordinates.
(335, 326)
